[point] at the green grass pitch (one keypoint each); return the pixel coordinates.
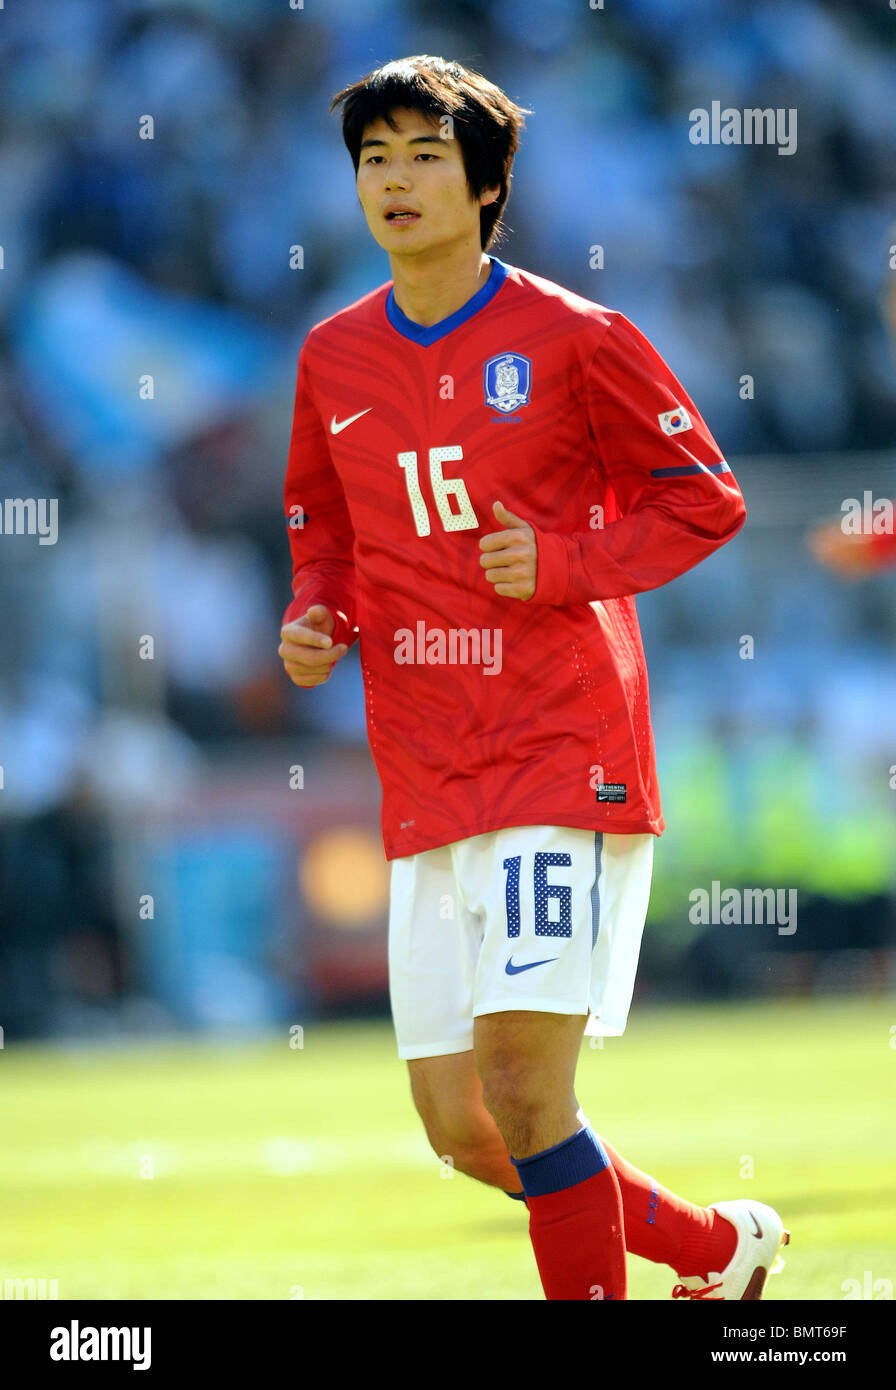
(261, 1171)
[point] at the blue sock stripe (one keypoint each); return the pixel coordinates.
(563, 1165)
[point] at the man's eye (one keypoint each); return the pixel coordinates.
(375, 158)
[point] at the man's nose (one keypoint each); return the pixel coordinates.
(398, 178)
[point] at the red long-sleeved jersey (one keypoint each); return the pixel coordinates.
(485, 711)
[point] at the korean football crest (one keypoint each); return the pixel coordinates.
(508, 381)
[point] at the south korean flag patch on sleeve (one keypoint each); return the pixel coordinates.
(674, 421)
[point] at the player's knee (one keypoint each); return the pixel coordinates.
(452, 1129)
(513, 1091)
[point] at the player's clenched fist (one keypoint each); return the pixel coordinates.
(510, 557)
(307, 647)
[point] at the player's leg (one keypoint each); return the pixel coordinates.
(433, 950)
(433, 956)
(665, 1228)
(660, 1226)
(562, 915)
(447, 1093)
(527, 1062)
(530, 888)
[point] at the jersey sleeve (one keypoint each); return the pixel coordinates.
(321, 537)
(671, 499)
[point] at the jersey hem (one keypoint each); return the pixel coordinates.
(648, 825)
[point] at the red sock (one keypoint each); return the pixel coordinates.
(575, 1220)
(662, 1227)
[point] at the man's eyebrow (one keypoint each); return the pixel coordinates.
(417, 140)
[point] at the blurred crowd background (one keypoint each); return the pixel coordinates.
(187, 840)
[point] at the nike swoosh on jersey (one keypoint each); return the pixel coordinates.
(336, 427)
(758, 1232)
(511, 969)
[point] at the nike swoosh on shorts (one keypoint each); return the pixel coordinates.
(511, 969)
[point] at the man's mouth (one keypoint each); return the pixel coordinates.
(402, 216)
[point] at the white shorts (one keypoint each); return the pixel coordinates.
(537, 917)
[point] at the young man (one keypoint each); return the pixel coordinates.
(484, 470)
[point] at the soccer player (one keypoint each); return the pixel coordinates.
(854, 555)
(850, 554)
(484, 469)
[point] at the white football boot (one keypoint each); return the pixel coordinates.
(760, 1238)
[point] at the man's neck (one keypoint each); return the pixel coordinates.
(428, 289)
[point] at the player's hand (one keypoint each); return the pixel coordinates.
(307, 647)
(510, 557)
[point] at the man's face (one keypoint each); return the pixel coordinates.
(415, 168)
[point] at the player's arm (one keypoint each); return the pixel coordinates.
(674, 500)
(321, 540)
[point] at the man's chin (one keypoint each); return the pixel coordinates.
(401, 247)
(412, 240)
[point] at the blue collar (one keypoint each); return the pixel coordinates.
(426, 334)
